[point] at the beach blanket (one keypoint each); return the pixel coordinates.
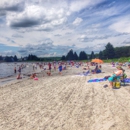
(97, 80)
(127, 80)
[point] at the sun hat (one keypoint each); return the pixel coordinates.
(119, 67)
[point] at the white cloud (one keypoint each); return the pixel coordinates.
(11, 5)
(78, 5)
(121, 25)
(77, 21)
(31, 15)
(41, 18)
(108, 12)
(7, 3)
(36, 22)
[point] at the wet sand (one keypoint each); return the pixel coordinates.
(66, 102)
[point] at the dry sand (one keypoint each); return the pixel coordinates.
(66, 102)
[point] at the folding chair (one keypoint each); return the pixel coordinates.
(122, 79)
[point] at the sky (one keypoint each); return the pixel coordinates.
(49, 28)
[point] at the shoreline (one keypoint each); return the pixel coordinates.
(10, 80)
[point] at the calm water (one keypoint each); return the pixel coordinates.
(7, 69)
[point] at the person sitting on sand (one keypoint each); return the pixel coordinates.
(99, 69)
(95, 70)
(33, 76)
(86, 68)
(49, 73)
(117, 74)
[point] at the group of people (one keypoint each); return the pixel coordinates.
(97, 69)
(62, 66)
(19, 72)
(48, 67)
(117, 75)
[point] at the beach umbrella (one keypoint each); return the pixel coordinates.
(97, 61)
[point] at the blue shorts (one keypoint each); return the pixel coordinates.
(60, 69)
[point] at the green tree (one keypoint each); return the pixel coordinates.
(8, 59)
(109, 51)
(15, 58)
(100, 55)
(1, 58)
(75, 56)
(70, 55)
(82, 55)
(122, 51)
(28, 58)
(92, 56)
(63, 58)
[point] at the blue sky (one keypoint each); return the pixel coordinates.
(53, 27)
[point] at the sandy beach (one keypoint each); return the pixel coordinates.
(65, 102)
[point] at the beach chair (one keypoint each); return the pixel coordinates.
(120, 80)
(124, 76)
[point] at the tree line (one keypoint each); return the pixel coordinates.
(9, 58)
(108, 53)
(30, 57)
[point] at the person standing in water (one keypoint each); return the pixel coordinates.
(19, 73)
(15, 70)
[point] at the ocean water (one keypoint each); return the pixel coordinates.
(7, 69)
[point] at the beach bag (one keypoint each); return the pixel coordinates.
(117, 84)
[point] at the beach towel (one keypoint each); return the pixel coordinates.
(97, 80)
(126, 80)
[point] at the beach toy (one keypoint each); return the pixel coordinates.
(36, 78)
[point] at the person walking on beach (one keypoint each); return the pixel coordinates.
(33, 66)
(49, 66)
(60, 68)
(54, 66)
